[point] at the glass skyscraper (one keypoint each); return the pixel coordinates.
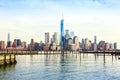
(62, 32)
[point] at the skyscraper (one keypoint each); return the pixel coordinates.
(47, 38)
(8, 36)
(67, 36)
(56, 38)
(19, 43)
(14, 43)
(62, 32)
(32, 44)
(66, 32)
(71, 34)
(95, 39)
(9, 43)
(115, 45)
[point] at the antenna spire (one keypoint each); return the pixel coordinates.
(62, 16)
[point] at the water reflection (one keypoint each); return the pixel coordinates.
(63, 67)
(6, 72)
(7, 68)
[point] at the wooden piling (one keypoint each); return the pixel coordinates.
(7, 58)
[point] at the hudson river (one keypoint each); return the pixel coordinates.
(62, 67)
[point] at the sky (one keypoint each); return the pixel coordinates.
(26, 19)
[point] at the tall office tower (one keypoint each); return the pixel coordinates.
(115, 45)
(19, 42)
(32, 44)
(95, 39)
(66, 32)
(67, 36)
(76, 42)
(71, 34)
(62, 32)
(9, 43)
(87, 44)
(14, 43)
(56, 38)
(8, 36)
(47, 38)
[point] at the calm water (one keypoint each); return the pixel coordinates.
(62, 67)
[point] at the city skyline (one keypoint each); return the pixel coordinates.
(26, 19)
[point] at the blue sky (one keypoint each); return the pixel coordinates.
(28, 19)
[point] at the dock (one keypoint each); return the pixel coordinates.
(9, 56)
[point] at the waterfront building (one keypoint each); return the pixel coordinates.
(41, 45)
(2, 45)
(82, 45)
(111, 46)
(87, 44)
(67, 34)
(72, 34)
(101, 45)
(94, 47)
(115, 45)
(53, 47)
(46, 48)
(72, 47)
(23, 44)
(36, 46)
(76, 42)
(14, 43)
(47, 38)
(107, 46)
(32, 44)
(70, 41)
(18, 42)
(56, 38)
(9, 43)
(66, 31)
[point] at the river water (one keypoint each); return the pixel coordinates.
(62, 67)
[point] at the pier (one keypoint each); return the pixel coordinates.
(9, 56)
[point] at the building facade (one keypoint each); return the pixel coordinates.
(47, 38)
(62, 40)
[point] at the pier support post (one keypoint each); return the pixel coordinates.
(15, 59)
(104, 57)
(10, 62)
(5, 63)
